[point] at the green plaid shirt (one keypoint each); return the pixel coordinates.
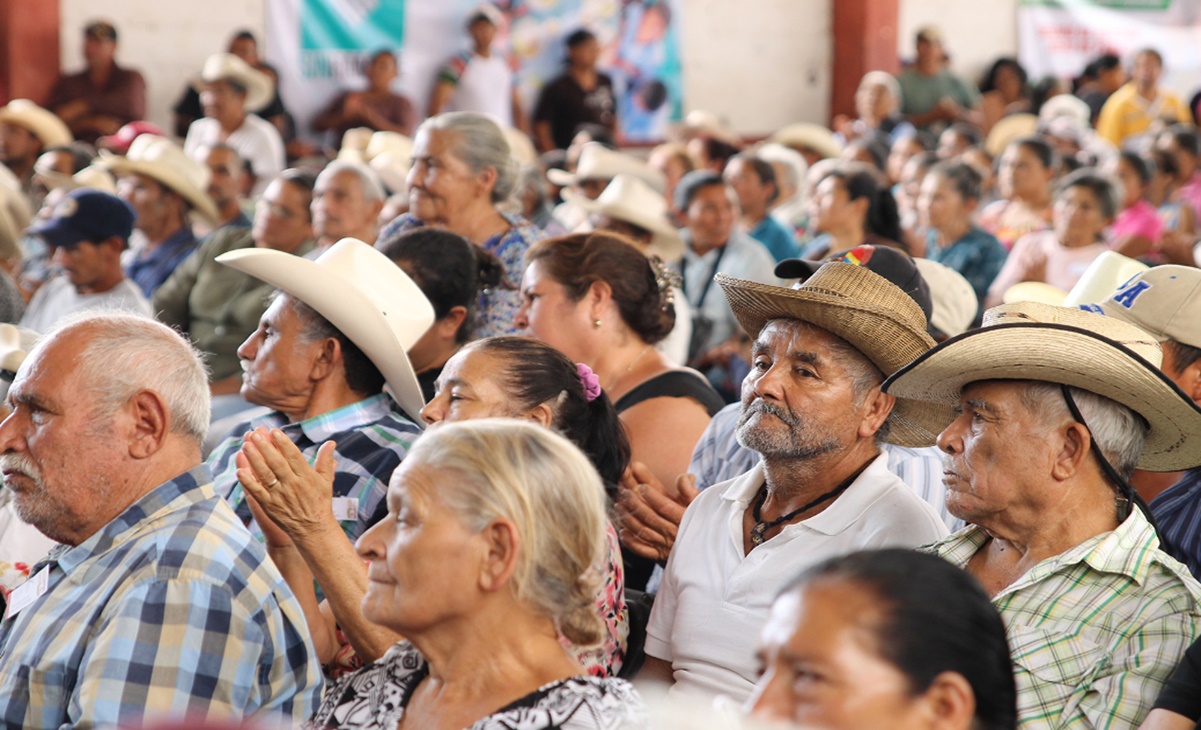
(1095, 631)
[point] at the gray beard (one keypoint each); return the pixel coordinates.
(804, 441)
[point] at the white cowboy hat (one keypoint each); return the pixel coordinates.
(808, 136)
(1102, 278)
(701, 123)
(388, 153)
(952, 298)
(629, 199)
(1042, 342)
(362, 293)
(41, 122)
(598, 162)
(260, 89)
(88, 177)
(165, 161)
(1068, 106)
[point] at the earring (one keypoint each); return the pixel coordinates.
(596, 323)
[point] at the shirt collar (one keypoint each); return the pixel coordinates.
(327, 425)
(169, 247)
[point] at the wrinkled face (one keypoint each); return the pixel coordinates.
(1022, 174)
(441, 185)
(226, 175)
(281, 217)
(711, 214)
(340, 207)
(469, 387)
(18, 146)
(1078, 217)
(549, 314)
(149, 198)
(424, 564)
(798, 401)
(276, 361)
(940, 205)
(752, 192)
(221, 100)
(381, 71)
(822, 667)
(56, 424)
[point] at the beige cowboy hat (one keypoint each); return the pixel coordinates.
(598, 162)
(89, 177)
(41, 122)
(629, 199)
(808, 136)
(1165, 301)
(871, 313)
(362, 293)
(1008, 129)
(1032, 341)
(702, 123)
(953, 300)
(260, 89)
(388, 153)
(1034, 291)
(165, 161)
(521, 147)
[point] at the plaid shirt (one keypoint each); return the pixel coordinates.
(170, 608)
(372, 437)
(1095, 631)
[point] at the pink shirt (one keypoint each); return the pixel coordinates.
(1040, 257)
(1190, 192)
(1140, 219)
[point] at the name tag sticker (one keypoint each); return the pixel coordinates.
(28, 592)
(346, 508)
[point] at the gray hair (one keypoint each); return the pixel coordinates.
(1118, 431)
(127, 354)
(1108, 191)
(546, 486)
(885, 79)
(481, 145)
(791, 162)
(369, 181)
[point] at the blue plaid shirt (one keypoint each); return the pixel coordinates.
(150, 271)
(372, 437)
(170, 608)
(1177, 512)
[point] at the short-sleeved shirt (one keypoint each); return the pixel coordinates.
(778, 240)
(1041, 257)
(978, 256)
(58, 298)
(149, 269)
(565, 105)
(1140, 219)
(715, 598)
(1095, 631)
(257, 142)
(1126, 115)
(170, 608)
(921, 93)
(482, 84)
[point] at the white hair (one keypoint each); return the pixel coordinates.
(127, 353)
(481, 145)
(1118, 431)
(369, 181)
(885, 79)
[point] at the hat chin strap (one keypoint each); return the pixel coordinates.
(1126, 494)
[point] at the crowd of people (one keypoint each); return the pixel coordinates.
(477, 421)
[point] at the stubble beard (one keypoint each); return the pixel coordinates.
(803, 441)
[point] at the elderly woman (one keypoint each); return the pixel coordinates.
(1024, 177)
(488, 554)
(1084, 206)
(877, 103)
(908, 640)
(513, 377)
(462, 170)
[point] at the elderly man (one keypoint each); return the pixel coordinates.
(813, 409)
(104, 96)
(232, 90)
(158, 602)
(162, 185)
(1043, 413)
(27, 130)
(347, 201)
(87, 233)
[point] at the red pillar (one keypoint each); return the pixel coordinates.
(865, 39)
(29, 57)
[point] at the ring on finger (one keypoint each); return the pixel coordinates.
(272, 484)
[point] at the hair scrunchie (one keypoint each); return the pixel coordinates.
(588, 379)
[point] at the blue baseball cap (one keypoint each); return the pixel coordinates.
(86, 214)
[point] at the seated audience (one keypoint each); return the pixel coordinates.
(852, 207)
(347, 199)
(513, 517)
(104, 96)
(26, 131)
(910, 641)
(534, 204)
(377, 107)
(580, 95)
(1107, 77)
(791, 208)
(813, 409)
(462, 170)
(957, 139)
(1136, 229)
(1003, 91)
(1043, 413)
(1085, 205)
(86, 233)
(754, 182)
(159, 603)
(1025, 174)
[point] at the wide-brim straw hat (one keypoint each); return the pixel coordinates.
(598, 162)
(41, 122)
(161, 159)
(805, 135)
(260, 89)
(1008, 129)
(1041, 342)
(871, 313)
(364, 295)
(629, 199)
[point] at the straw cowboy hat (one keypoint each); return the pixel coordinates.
(362, 293)
(871, 313)
(598, 162)
(260, 89)
(631, 200)
(953, 300)
(701, 123)
(808, 136)
(88, 177)
(165, 161)
(41, 122)
(1032, 341)
(1008, 129)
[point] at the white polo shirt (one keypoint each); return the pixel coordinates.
(715, 600)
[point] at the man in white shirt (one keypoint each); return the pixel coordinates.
(479, 80)
(87, 233)
(812, 407)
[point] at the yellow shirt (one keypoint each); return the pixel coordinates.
(1126, 113)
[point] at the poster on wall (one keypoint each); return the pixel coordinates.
(1059, 37)
(320, 47)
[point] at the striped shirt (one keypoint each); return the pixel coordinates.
(1177, 511)
(1094, 632)
(171, 608)
(372, 436)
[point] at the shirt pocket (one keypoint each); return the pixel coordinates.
(45, 693)
(1053, 670)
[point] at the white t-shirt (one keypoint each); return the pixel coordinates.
(257, 142)
(486, 86)
(57, 298)
(715, 600)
